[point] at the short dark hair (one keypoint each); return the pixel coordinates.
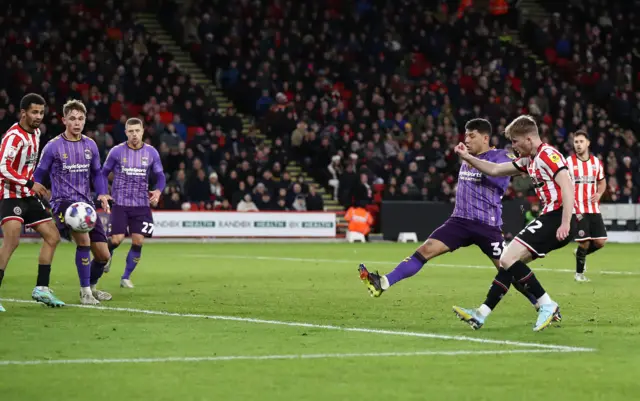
(29, 99)
(583, 133)
(479, 124)
(133, 121)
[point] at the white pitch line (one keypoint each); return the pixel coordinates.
(355, 262)
(276, 357)
(328, 327)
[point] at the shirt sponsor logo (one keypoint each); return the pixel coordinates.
(470, 176)
(134, 171)
(75, 168)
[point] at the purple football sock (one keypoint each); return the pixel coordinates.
(133, 257)
(406, 268)
(83, 264)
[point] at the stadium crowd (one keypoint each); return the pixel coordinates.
(359, 93)
(373, 92)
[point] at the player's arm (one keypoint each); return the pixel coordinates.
(487, 167)
(602, 185)
(109, 165)
(563, 179)
(99, 180)
(158, 172)
(10, 149)
(161, 180)
(44, 166)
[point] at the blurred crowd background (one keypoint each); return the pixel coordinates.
(369, 97)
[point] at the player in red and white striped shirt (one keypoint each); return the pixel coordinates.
(590, 184)
(553, 229)
(21, 199)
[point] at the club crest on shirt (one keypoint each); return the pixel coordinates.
(554, 158)
(144, 160)
(65, 156)
(124, 160)
(87, 154)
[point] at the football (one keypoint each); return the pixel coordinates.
(81, 217)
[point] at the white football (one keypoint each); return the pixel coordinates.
(81, 217)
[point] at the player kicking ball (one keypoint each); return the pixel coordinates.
(131, 164)
(476, 218)
(590, 182)
(553, 229)
(72, 162)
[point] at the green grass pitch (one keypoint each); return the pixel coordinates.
(282, 321)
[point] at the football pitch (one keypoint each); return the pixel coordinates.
(283, 321)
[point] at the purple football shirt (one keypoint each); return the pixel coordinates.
(479, 197)
(73, 166)
(131, 168)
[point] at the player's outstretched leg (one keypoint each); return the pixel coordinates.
(518, 271)
(409, 266)
(50, 240)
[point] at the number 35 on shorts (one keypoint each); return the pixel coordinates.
(498, 247)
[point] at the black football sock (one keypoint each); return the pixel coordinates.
(499, 288)
(518, 286)
(1, 277)
(522, 274)
(581, 258)
(44, 273)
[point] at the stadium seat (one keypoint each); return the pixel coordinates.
(354, 236)
(407, 237)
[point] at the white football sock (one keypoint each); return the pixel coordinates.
(384, 283)
(545, 299)
(484, 310)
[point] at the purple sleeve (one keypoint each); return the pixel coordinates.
(501, 156)
(99, 180)
(44, 167)
(109, 164)
(158, 171)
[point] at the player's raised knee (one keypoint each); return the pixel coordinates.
(116, 240)
(432, 248)
(599, 243)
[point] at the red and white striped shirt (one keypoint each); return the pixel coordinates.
(586, 175)
(18, 160)
(542, 169)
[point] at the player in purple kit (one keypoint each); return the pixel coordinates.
(131, 163)
(476, 218)
(72, 161)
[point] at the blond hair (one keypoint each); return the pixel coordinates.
(523, 125)
(72, 105)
